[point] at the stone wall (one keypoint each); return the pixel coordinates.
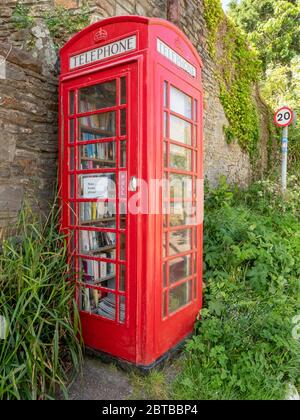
(28, 134)
(29, 95)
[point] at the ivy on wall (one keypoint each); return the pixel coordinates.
(238, 70)
(61, 22)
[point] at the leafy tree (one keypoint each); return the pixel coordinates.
(272, 25)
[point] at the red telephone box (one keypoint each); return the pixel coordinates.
(131, 117)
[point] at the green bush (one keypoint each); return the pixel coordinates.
(243, 348)
(42, 345)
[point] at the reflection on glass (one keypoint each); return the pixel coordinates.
(123, 122)
(72, 186)
(165, 125)
(180, 268)
(89, 299)
(196, 110)
(165, 279)
(93, 243)
(98, 273)
(123, 145)
(98, 156)
(100, 214)
(181, 103)
(180, 296)
(180, 130)
(123, 91)
(72, 159)
(73, 217)
(180, 241)
(123, 214)
(165, 94)
(165, 154)
(98, 97)
(182, 214)
(181, 186)
(122, 310)
(72, 131)
(180, 158)
(122, 247)
(97, 127)
(122, 278)
(72, 103)
(97, 186)
(165, 241)
(165, 310)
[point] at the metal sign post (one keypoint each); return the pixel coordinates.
(283, 118)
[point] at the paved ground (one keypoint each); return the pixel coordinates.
(100, 381)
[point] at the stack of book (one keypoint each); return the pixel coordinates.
(96, 211)
(92, 242)
(96, 156)
(107, 308)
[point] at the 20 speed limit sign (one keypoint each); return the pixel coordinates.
(284, 117)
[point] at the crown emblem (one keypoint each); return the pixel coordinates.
(100, 35)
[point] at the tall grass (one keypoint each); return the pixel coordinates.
(42, 344)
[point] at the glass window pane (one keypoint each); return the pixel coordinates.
(94, 243)
(97, 127)
(72, 131)
(180, 130)
(122, 247)
(123, 91)
(182, 213)
(98, 156)
(165, 242)
(196, 110)
(107, 306)
(122, 310)
(73, 214)
(123, 214)
(165, 94)
(101, 214)
(72, 158)
(165, 279)
(72, 186)
(181, 186)
(165, 154)
(72, 103)
(180, 296)
(165, 125)
(97, 186)
(100, 273)
(165, 310)
(123, 160)
(181, 103)
(180, 241)
(180, 158)
(89, 300)
(97, 97)
(123, 122)
(180, 268)
(122, 282)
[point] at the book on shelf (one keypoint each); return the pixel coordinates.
(103, 267)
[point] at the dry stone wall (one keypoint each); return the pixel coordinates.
(28, 99)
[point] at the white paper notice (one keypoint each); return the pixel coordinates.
(95, 187)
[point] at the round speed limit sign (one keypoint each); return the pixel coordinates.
(284, 117)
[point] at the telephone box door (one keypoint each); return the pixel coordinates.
(99, 156)
(180, 132)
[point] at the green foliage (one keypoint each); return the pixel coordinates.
(21, 16)
(214, 15)
(272, 26)
(63, 21)
(239, 70)
(41, 350)
(243, 348)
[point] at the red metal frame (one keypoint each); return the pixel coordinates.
(146, 333)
